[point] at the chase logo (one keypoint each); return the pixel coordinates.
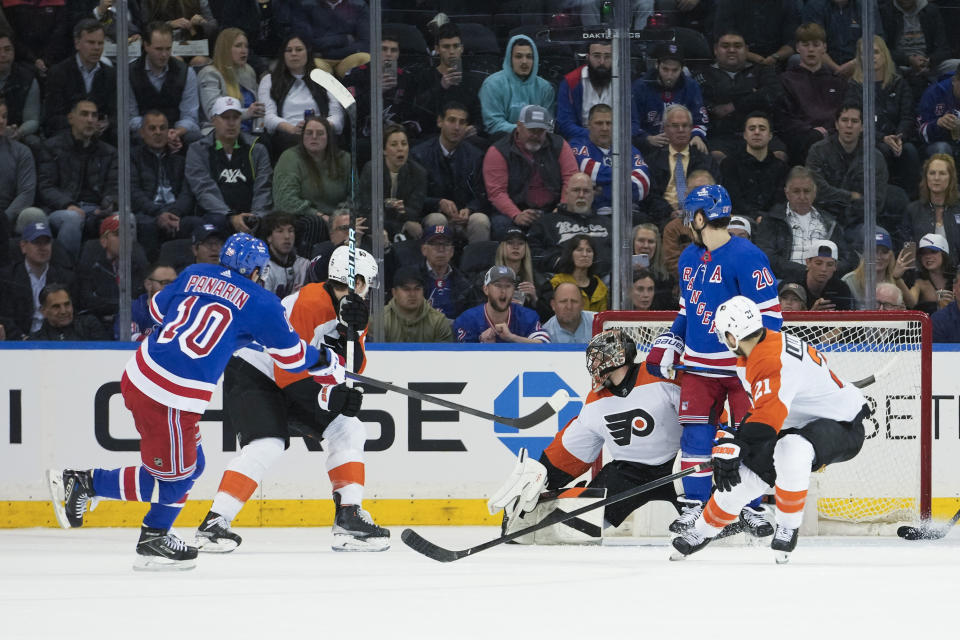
(532, 384)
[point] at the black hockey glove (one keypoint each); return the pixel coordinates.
(353, 312)
(727, 451)
(342, 400)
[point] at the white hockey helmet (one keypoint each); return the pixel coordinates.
(339, 268)
(739, 316)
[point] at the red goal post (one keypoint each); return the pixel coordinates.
(890, 480)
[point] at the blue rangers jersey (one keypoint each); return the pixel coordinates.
(596, 163)
(207, 314)
(710, 278)
(522, 322)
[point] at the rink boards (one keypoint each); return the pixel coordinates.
(60, 407)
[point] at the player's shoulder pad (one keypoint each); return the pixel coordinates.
(644, 377)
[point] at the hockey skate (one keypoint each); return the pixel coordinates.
(214, 535)
(355, 530)
(783, 543)
(75, 490)
(159, 550)
(690, 541)
(755, 521)
(690, 511)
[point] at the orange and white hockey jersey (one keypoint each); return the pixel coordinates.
(642, 427)
(311, 313)
(791, 384)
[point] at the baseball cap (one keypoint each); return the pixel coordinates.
(35, 230)
(499, 272)
(225, 103)
(513, 233)
(407, 274)
(934, 241)
(110, 223)
(204, 231)
(739, 222)
(668, 51)
(533, 116)
(795, 289)
(883, 238)
(442, 230)
(822, 249)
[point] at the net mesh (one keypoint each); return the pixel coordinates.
(882, 483)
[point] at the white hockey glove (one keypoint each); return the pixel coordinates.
(329, 369)
(521, 491)
(665, 355)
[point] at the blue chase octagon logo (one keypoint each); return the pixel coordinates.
(532, 384)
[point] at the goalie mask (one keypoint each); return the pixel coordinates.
(366, 268)
(739, 316)
(607, 351)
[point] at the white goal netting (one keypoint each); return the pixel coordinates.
(888, 482)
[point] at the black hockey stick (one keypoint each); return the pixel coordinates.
(928, 531)
(435, 552)
(859, 384)
(547, 409)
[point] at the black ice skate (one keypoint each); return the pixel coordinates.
(755, 522)
(214, 535)
(75, 490)
(354, 530)
(159, 550)
(690, 541)
(783, 543)
(690, 511)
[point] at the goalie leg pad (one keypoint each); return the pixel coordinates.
(586, 529)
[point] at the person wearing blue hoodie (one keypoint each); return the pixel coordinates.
(505, 92)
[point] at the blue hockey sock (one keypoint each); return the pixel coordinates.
(171, 498)
(126, 483)
(696, 444)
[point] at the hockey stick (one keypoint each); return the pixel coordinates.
(547, 409)
(859, 384)
(423, 546)
(927, 531)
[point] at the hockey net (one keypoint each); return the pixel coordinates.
(889, 481)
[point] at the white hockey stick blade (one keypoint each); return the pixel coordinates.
(559, 399)
(333, 87)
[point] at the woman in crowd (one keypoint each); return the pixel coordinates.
(230, 75)
(290, 95)
(888, 269)
(646, 242)
(895, 115)
(310, 180)
(577, 264)
(514, 252)
(404, 186)
(936, 272)
(643, 290)
(938, 209)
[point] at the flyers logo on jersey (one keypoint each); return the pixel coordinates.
(624, 425)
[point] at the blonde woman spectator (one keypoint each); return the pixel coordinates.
(938, 209)
(230, 75)
(888, 269)
(514, 252)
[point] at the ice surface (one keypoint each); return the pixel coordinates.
(287, 583)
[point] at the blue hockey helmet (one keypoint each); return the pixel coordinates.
(712, 199)
(244, 253)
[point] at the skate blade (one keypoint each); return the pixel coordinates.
(781, 557)
(342, 542)
(676, 556)
(206, 545)
(155, 563)
(55, 484)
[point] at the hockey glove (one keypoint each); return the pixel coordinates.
(341, 399)
(329, 369)
(353, 313)
(727, 451)
(665, 355)
(521, 492)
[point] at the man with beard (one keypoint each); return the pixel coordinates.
(573, 217)
(499, 319)
(661, 88)
(504, 93)
(525, 172)
(584, 87)
(593, 156)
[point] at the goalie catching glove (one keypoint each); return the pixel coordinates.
(665, 355)
(353, 313)
(341, 399)
(521, 491)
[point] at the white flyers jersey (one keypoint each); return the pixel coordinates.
(642, 427)
(791, 384)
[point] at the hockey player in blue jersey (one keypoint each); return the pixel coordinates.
(206, 314)
(713, 269)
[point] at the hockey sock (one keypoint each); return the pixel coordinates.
(793, 458)
(344, 439)
(714, 519)
(171, 496)
(126, 483)
(243, 474)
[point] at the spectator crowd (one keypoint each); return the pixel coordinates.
(496, 148)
